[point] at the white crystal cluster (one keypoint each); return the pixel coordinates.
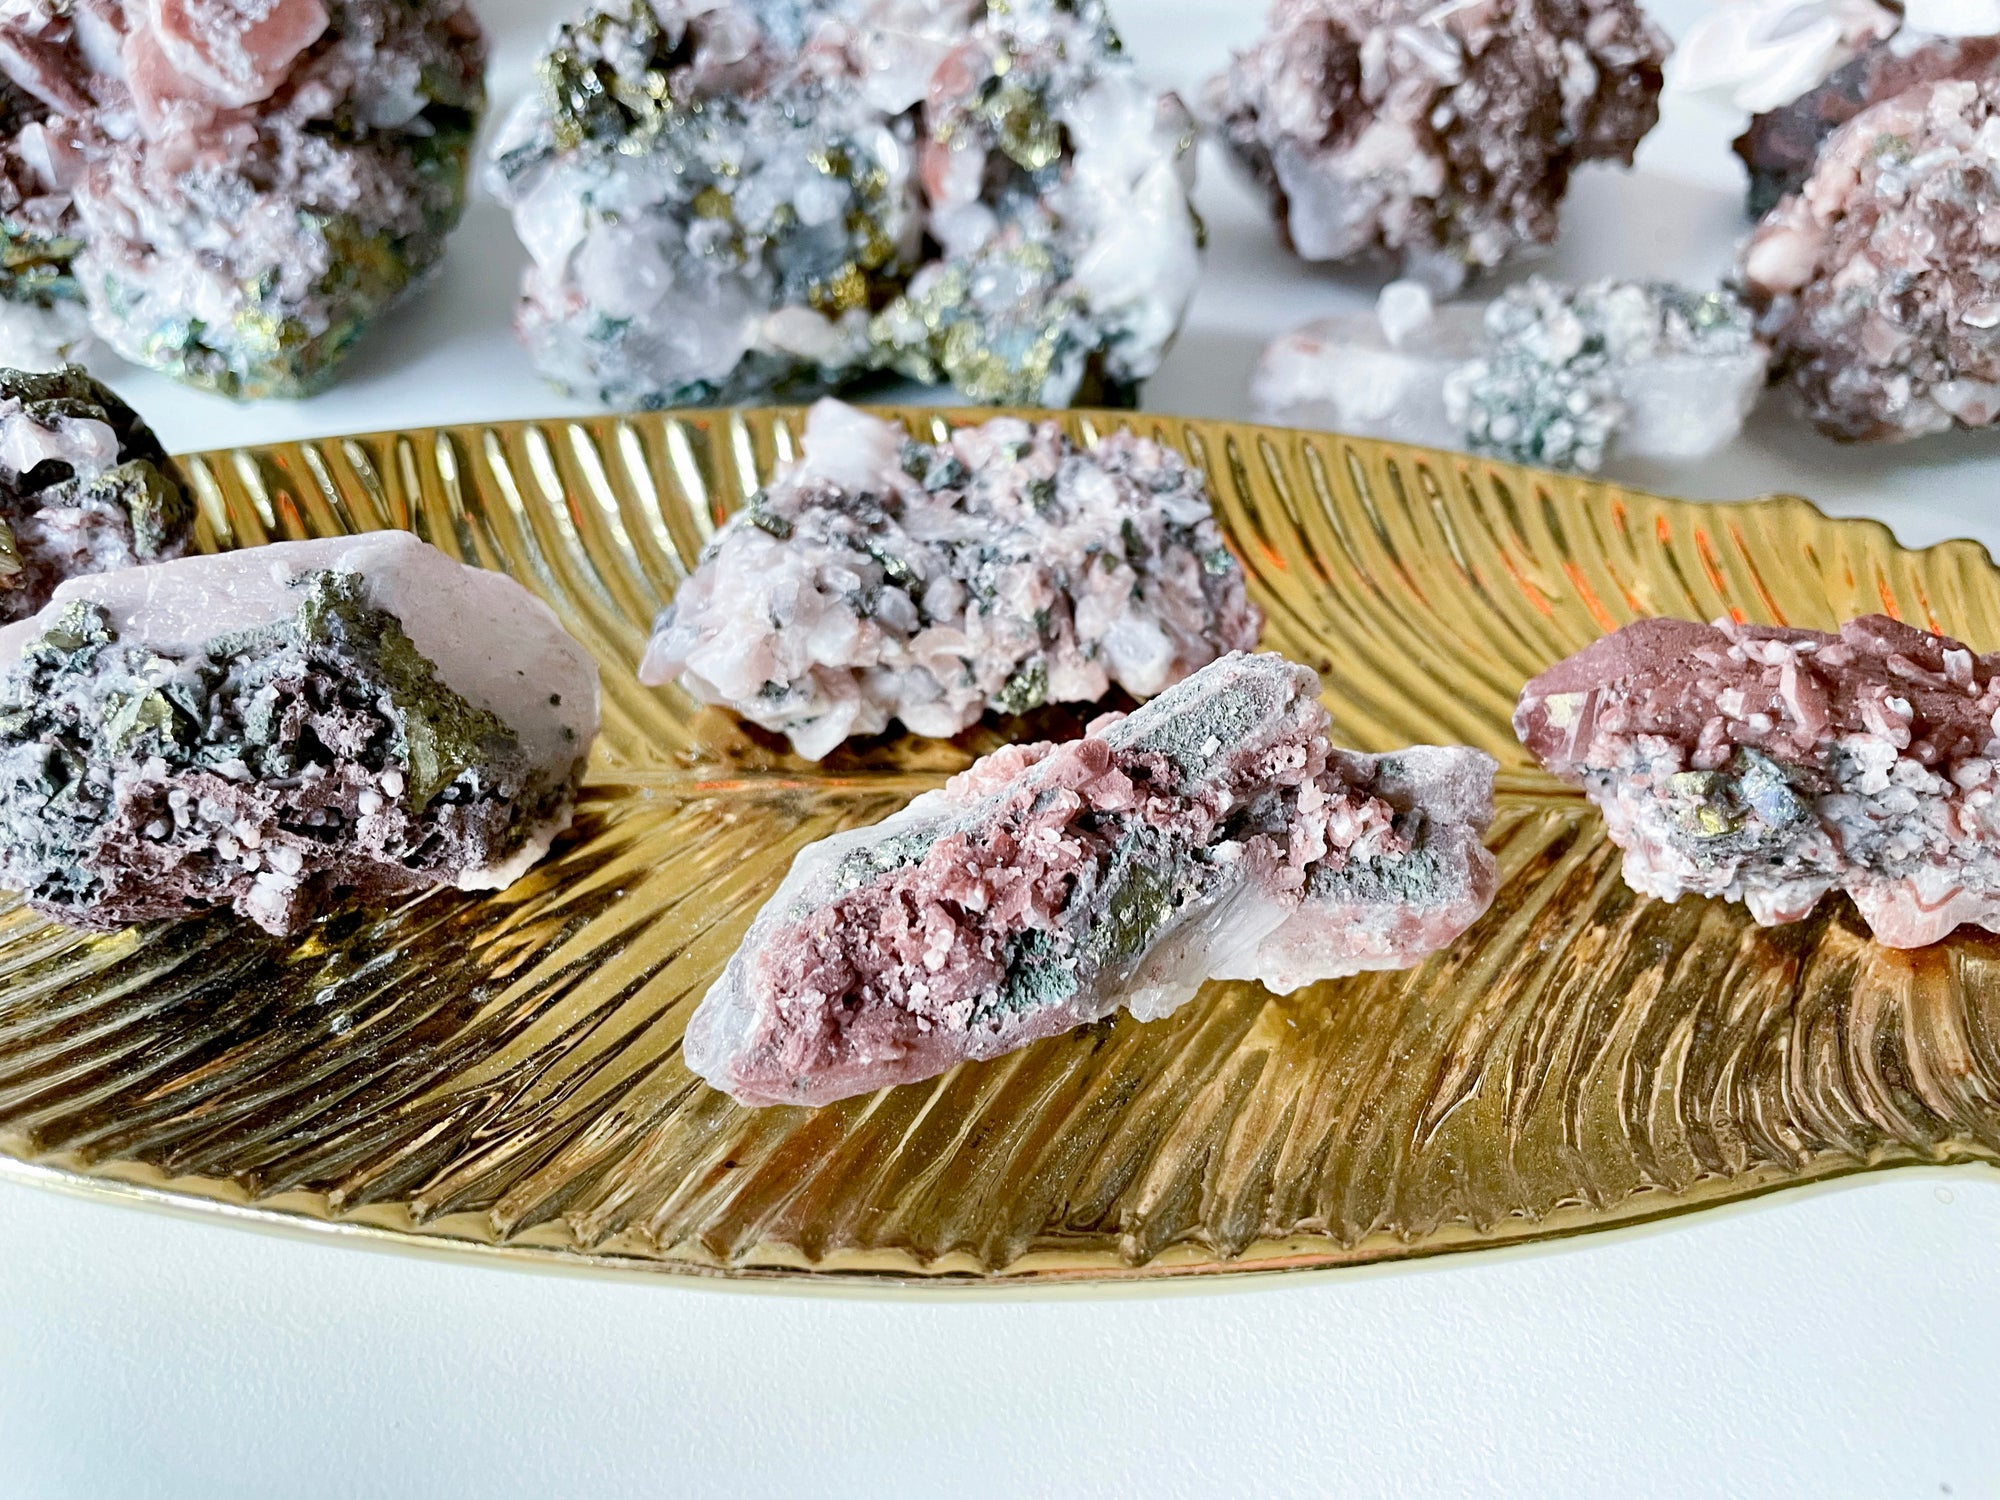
(1543, 374)
(725, 201)
(880, 578)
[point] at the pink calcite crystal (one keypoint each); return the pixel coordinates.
(1213, 833)
(1771, 766)
(882, 578)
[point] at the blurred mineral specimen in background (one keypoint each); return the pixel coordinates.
(1878, 282)
(1439, 135)
(231, 189)
(1544, 374)
(729, 201)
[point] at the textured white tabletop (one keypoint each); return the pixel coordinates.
(1837, 1342)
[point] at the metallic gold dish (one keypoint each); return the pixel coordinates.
(502, 1075)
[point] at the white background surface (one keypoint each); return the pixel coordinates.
(1842, 1342)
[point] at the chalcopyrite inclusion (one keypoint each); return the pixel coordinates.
(1544, 374)
(883, 578)
(277, 729)
(1211, 834)
(727, 201)
(1771, 766)
(85, 487)
(231, 189)
(1439, 135)
(1878, 282)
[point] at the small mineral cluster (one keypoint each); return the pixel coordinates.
(1544, 374)
(1878, 282)
(1212, 834)
(85, 487)
(231, 189)
(1440, 135)
(884, 578)
(1771, 766)
(730, 201)
(276, 729)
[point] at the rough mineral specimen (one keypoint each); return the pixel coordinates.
(275, 729)
(84, 487)
(1878, 283)
(1544, 374)
(1440, 134)
(234, 189)
(723, 201)
(1765, 54)
(1771, 766)
(1781, 145)
(884, 578)
(1211, 834)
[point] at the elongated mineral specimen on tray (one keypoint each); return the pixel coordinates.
(276, 729)
(1877, 283)
(882, 578)
(726, 201)
(1211, 834)
(1440, 135)
(1544, 374)
(233, 189)
(1771, 766)
(84, 487)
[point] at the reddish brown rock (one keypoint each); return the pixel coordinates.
(1771, 766)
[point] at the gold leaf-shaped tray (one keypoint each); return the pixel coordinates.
(502, 1074)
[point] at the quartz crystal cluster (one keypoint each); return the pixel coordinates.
(1544, 374)
(275, 729)
(1771, 766)
(1878, 282)
(725, 201)
(84, 487)
(231, 189)
(1211, 834)
(1441, 135)
(883, 578)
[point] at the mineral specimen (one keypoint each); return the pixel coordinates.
(1543, 374)
(881, 578)
(1765, 54)
(1771, 766)
(723, 201)
(275, 729)
(234, 189)
(1211, 834)
(1878, 283)
(1440, 134)
(84, 487)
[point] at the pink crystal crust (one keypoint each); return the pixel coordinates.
(1212, 833)
(1771, 766)
(880, 578)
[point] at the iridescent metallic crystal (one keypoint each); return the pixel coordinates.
(725, 201)
(1441, 136)
(1211, 834)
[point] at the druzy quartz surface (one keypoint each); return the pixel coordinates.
(1438, 136)
(1771, 766)
(725, 202)
(280, 728)
(1212, 833)
(881, 578)
(231, 190)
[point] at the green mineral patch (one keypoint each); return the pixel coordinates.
(1038, 976)
(1137, 907)
(1027, 689)
(443, 735)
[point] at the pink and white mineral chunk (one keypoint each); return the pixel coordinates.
(1772, 766)
(1214, 833)
(881, 578)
